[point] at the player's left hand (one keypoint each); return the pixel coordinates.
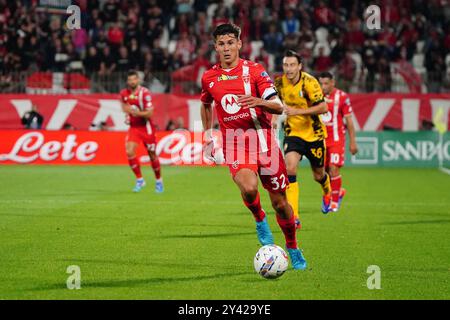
(134, 112)
(289, 111)
(247, 101)
(353, 148)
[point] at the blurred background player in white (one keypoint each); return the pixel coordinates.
(339, 108)
(137, 104)
(244, 96)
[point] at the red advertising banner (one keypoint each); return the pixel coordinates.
(179, 147)
(373, 112)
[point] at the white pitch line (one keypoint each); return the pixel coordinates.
(445, 170)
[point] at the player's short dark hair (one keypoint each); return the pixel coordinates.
(326, 74)
(292, 53)
(132, 73)
(227, 28)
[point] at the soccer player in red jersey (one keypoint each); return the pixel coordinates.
(137, 104)
(339, 108)
(244, 95)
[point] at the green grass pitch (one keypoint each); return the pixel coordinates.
(197, 240)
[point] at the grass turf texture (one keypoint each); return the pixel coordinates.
(197, 240)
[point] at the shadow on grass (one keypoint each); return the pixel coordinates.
(151, 263)
(127, 283)
(417, 222)
(207, 235)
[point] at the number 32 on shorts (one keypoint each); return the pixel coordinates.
(278, 182)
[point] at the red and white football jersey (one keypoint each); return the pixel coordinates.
(223, 87)
(141, 99)
(339, 106)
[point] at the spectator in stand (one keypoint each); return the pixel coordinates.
(323, 15)
(322, 62)
(108, 64)
(153, 32)
(123, 62)
(80, 40)
(135, 54)
(115, 36)
(31, 40)
(290, 24)
(273, 40)
(185, 48)
(384, 70)
(346, 71)
(92, 61)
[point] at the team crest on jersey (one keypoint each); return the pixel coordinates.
(224, 77)
(229, 104)
(326, 117)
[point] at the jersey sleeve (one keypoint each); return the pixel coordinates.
(147, 100)
(264, 84)
(205, 96)
(346, 105)
(279, 87)
(314, 91)
(122, 96)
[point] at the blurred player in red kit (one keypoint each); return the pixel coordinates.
(137, 104)
(339, 109)
(244, 95)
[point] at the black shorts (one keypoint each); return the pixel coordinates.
(314, 151)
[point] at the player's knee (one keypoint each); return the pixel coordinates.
(131, 153)
(152, 155)
(280, 205)
(319, 176)
(249, 192)
(334, 171)
(291, 169)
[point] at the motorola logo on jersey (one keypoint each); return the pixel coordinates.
(230, 104)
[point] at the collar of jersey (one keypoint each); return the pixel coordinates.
(228, 70)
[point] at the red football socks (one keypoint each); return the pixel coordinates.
(135, 166)
(288, 228)
(256, 209)
(156, 168)
(336, 184)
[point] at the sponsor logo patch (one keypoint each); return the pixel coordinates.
(224, 77)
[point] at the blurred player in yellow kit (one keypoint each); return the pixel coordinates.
(304, 131)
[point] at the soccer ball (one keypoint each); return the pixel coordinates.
(271, 261)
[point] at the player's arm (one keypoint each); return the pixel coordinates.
(352, 134)
(126, 107)
(320, 108)
(271, 104)
(147, 113)
(206, 115)
(206, 109)
(316, 98)
(269, 101)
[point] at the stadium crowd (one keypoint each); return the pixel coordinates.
(157, 36)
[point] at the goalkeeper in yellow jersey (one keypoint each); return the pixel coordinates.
(305, 132)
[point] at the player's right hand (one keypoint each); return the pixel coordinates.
(208, 149)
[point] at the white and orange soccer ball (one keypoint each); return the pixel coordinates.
(271, 261)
